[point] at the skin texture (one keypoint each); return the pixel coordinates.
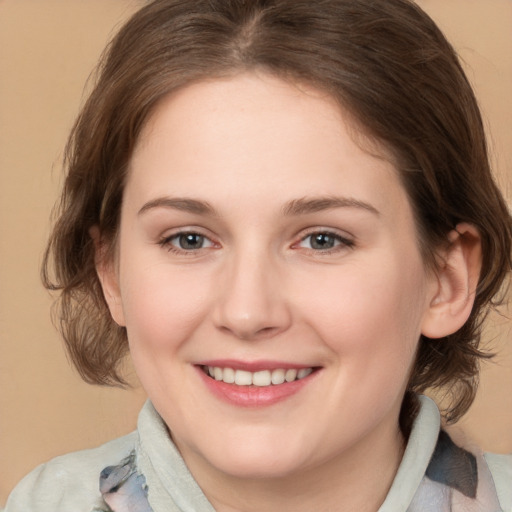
(254, 151)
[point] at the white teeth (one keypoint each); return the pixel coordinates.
(304, 372)
(261, 378)
(243, 378)
(277, 376)
(229, 375)
(290, 375)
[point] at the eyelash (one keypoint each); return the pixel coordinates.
(166, 242)
(340, 242)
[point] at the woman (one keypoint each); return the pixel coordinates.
(284, 210)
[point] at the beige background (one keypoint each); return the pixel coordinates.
(47, 50)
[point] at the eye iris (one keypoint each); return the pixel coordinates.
(191, 241)
(322, 241)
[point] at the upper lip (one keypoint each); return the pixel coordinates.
(253, 366)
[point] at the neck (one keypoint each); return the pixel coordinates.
(357, 480)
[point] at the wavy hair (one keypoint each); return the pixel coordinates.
(384, 61)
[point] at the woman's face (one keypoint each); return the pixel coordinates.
(260, 243)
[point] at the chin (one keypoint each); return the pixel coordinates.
(257, 461)
(259, 470)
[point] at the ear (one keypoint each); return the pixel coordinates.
(107, 274)
(457, 280)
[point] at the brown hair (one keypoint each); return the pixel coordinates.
(389, 66)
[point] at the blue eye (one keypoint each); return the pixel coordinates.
(324, 241)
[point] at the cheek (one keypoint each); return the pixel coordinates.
(371, 325)
(371, 315)
(162, 305)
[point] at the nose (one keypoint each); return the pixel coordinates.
(252, 302)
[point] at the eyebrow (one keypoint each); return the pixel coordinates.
(179, 203)
(302, 206)
(307, 205)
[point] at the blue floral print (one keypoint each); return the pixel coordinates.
(123, 489)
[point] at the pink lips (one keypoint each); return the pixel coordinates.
(253, 396)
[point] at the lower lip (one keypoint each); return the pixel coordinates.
(254, 396)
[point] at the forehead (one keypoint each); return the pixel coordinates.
(256, 133)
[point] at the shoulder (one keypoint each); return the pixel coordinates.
(69, 482)
(501, 471)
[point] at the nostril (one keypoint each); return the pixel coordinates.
(250, 334)
(263, 333)
(268, 330)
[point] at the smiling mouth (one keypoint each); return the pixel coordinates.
(262, 378)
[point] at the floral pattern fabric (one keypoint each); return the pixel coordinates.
(456, 480)
(123, 489)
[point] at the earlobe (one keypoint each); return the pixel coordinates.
(107, 275)
(457, 279)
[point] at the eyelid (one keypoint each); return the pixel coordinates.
(165, 240)
(346, 241)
